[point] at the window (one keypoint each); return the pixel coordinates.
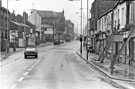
(122, 20)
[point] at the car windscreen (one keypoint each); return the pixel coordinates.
(31, 46)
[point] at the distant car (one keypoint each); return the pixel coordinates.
(68, 40)
(56, 41)
(31, 50)
(77, 38)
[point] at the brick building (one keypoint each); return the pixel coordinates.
(21, 30)
(69, 30)
(49, 24)
(99, 7)
(119, 19)
(44, 22)
(60, 25)
(3, 27)
(0, 2)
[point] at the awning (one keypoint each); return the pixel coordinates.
(25, 25)
(19, 24)
(46, 26)
(16, 23)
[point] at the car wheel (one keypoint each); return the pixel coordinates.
(25, 56)
(36, 56)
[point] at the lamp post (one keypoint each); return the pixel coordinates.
(87, 29)
(7, 30)
(80, 26)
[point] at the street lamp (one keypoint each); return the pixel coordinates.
(87, 29)
(7, 30)
(80, 26)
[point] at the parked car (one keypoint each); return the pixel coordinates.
(61, 41)
(56, 41)
(31, 50)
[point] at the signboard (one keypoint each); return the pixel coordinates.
(133, 35)
(21, 42)
(118, 38)
(13, 35)
(48, 31)
(31, 30)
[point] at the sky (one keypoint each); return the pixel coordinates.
(71, 8)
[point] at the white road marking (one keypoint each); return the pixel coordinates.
(30, 69)
(36, 63)
(92, 69)
(13, 86)
(21, 79)
(32, 66)
(26, 73)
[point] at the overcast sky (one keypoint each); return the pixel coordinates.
(70, 7)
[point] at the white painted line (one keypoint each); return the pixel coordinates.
(30, 69)
(13, 86)
(26, 73)
(32, 66)
(36, 63)
(21, 79)
(92, 69)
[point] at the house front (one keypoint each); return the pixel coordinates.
(44, 21)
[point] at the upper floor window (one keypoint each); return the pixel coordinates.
(122, 20)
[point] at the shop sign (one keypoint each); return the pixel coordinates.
(118, 38)
(13, 35)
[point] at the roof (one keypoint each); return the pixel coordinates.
(25, 25)
(4, 9)
(16, 23)
(47, 13)
(47, 26)
(59, 14)
(110, 10)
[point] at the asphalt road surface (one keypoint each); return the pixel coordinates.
(57, 67)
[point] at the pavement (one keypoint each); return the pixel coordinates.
(122, 71)
(4, 55)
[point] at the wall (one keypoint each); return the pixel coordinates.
(0, 2)
(35, 19)
(132, 13)
(120, 16)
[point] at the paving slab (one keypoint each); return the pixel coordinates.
(122, 71)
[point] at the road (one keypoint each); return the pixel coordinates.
(57, 67)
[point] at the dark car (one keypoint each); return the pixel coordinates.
(31, 50)
(56, 41)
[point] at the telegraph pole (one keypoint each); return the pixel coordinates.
(87, 30)
(81, 30)
(7, 30)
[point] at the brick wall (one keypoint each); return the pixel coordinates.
(99, 7)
